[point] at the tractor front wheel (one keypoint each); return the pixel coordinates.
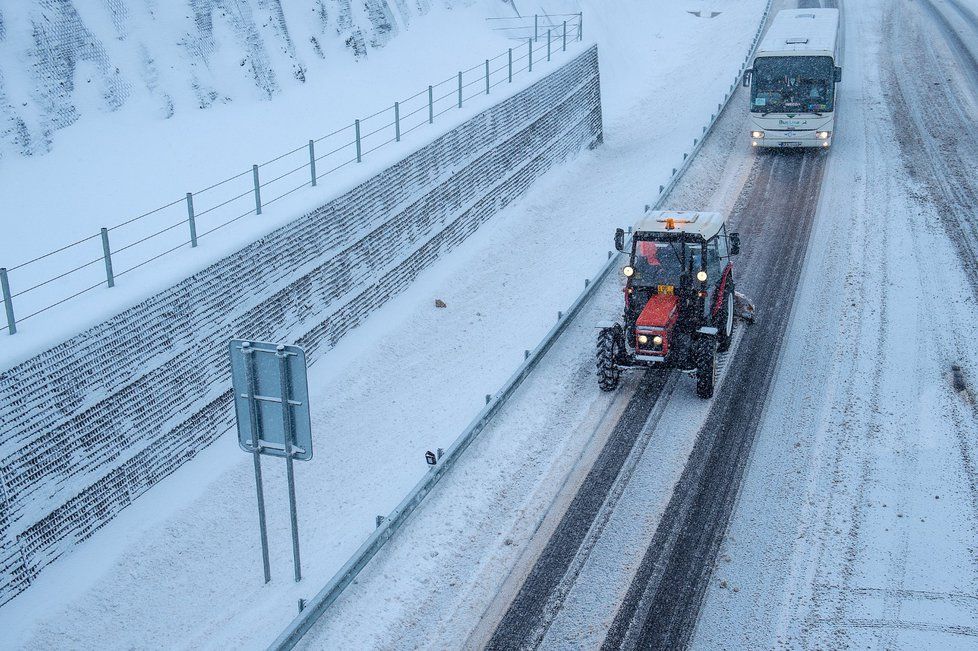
(705, 350)
(606, 357)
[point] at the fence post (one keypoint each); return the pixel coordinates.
(565, 36)
(8, 302)
(108, 257)
(431, 106)
(536, 28)
(580, 26)
(397, 122)
(487, 76)
(254, 173)
(312, 162)
(530, 43)
(510, 65)
(548, 45)
(356, 127)
(191, 220)
(460, 89)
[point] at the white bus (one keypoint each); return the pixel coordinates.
(792, 82)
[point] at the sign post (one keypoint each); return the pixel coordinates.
(271, 402)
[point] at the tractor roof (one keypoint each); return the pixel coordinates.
(705, 224)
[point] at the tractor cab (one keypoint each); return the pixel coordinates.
(679, 297)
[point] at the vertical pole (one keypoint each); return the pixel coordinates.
(487, 76)
(8, 301)
(356, 126)
(530, 43)
(548, 45)
(565, 36)
(287, 434)
(191, 220)
(510, 65)
(254, 173)
(312, 162)
(249, 355)
(431, 106)
(107, 254)
(536, 27)
(460, 89)
(397, 122)
(580, 26)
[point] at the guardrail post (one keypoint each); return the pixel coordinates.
(397, 122)
(431, 105)
(107, 254)
(8, 302)
(530, 43)
(580, 26)
(356, 127)
(312, 162)
(460, 89)
(565, 36)
(536, 27)
(548, 45)
(254, 173)
(487, 76)
(191, 220)
(510, 65)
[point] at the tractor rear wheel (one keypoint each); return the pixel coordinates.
(725, 321)
(705, 351)
(607, 354)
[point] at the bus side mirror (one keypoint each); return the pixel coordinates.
(734, 243)
(747, 75)
(838, 74)
(619, 239)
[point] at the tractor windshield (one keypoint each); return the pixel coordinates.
(656, 263)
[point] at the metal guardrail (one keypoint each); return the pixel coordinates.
(184, 221)
(315, 607)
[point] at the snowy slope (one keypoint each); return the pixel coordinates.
(64, 59)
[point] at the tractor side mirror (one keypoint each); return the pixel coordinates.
(734, 243)
(619, 239)
(748, 74)
(838, 74)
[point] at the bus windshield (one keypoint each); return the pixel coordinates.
(792, 84)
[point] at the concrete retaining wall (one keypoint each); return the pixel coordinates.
(88, 426)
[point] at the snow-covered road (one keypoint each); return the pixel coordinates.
(857, 521)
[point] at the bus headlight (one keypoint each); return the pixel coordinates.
(823, 135)
(756, 134)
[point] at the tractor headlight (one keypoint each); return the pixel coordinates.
(628, 271)
(657, 341)
(642, 339)
(756, 134)
(823, 135)
(701, 276)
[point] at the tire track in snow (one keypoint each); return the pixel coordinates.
(663, 601)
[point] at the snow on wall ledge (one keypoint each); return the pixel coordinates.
(88, 426)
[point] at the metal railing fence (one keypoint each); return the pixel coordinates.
(30, 289)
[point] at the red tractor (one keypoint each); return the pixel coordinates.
(679, 298)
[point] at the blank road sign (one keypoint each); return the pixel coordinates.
(263, 374)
